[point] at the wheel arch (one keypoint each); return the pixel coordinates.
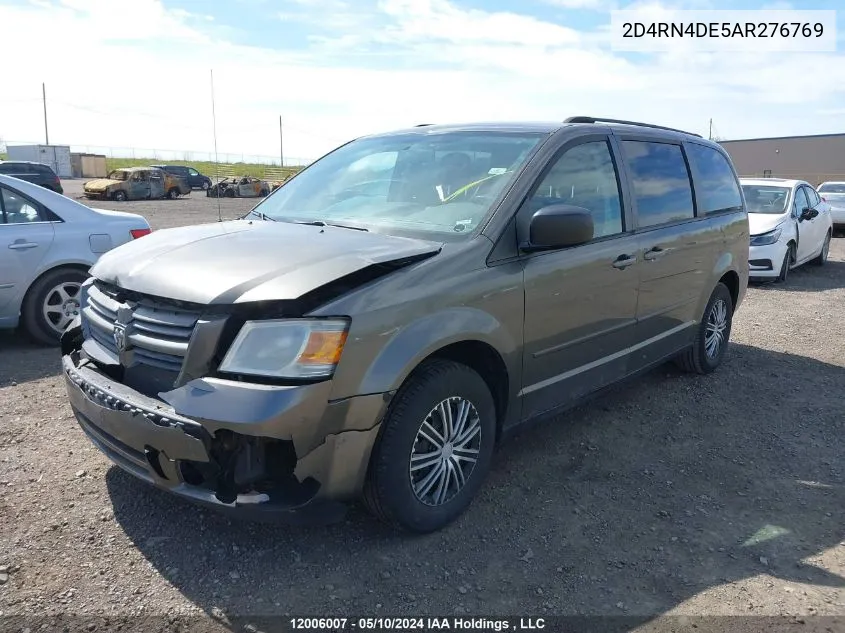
(72, 265)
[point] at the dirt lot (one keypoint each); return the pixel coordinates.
(673, 495)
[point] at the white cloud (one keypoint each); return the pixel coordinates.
(144, 82)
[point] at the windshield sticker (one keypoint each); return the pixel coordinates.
(497, 171)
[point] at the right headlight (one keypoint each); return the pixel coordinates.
(287, 348)
(764, 239)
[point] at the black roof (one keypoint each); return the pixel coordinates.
(539, 127)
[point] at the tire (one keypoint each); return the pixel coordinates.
(389, 492)
(230, 193)
(206, 185)
(821, 260)
(51, 302)
(119, 196)
(173, 193)
(788, 258)
(697, 359)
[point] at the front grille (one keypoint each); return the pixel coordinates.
(157, 333)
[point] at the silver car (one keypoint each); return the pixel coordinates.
(834, 194)
(47, 244)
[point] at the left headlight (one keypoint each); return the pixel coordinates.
(764, 239)
(287, 348)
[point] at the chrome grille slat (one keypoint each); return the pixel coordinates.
(158, 333)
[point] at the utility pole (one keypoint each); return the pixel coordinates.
(710, 134)
(281, 145)
(44, 99)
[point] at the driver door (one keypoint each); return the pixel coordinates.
(139, 186)
(156, 185)
(581, 301)
(807, 241)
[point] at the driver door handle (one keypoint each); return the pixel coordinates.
(623, 261)
(22, 246)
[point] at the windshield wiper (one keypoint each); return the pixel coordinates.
(340, 226)
(261, 216)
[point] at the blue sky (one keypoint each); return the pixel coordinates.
(336, 69)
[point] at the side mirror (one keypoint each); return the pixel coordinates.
(558, 226)
(808, 213)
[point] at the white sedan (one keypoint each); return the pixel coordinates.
(47, 244)
(789, 223)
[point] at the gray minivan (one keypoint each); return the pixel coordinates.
(380, 323)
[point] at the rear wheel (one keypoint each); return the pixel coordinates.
(173, 193)
(51, 304)
(714, 331)
(434, 449)
(821, 260)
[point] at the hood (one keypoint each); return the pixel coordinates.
(242, 261)
(764, 222)
(101, 183)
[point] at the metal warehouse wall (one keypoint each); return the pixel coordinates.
(811, 158)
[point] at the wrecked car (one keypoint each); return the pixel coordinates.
(136, 183)
(243, 187)
(374, 329)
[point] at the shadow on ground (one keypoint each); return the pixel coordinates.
(808, 278)
(629, 505)
(22, 361)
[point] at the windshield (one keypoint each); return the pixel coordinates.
(118, 174)
(429, 183)
(832, 187)
(764, 199)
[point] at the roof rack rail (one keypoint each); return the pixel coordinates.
(423, 124)
(590, 119)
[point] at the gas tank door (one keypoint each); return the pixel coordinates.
(100, 242)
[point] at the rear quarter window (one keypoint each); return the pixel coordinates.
(716, 188)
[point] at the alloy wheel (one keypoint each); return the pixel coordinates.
(61, 305)
(445, 451)
(717, 325)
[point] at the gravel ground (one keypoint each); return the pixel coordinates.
(674, 494)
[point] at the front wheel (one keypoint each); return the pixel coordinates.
(783, 275)
(711, 338)
(119, 195)
(206, 185)
(434, 448)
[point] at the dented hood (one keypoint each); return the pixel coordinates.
(242, 261)
(100, 183)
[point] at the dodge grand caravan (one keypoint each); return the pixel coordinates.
(379, 324)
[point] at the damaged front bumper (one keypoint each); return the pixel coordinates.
(281, 451)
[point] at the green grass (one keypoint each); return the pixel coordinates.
(209, 168)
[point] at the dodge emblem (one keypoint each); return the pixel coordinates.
(119, 335)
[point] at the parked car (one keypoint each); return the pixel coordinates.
(47, 244)
(834, 194)
(38, 173)
(136, 183)
(343, 341)
(790, 225)
(243, 187)
(195, 179)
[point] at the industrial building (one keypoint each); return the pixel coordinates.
(56, 156)
(813, 158)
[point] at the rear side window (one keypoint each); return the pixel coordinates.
(661, 182)
(17, 209)
(716, 186)
(11, 168)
